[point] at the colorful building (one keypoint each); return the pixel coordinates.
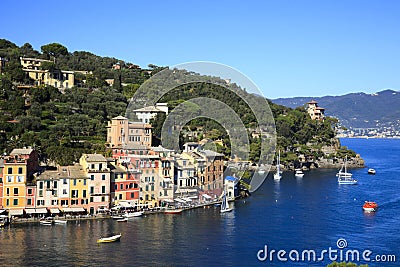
(120, 132)
(315, 112)
(19, 168)
(57, 78)
(96, 169)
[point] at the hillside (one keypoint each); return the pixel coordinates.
(357, 110)
(62, 124)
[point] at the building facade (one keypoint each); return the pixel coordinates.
(57, 78)
(315, 112)
(120, 132)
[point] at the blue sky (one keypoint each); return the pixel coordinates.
(288, 48)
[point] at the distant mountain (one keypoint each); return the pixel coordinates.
(356, 110)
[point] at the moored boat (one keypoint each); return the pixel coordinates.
(173, 211)
(122, 220)
(110, 239)
(60, 221)
(298, 173)
(133, 214)
(117, 217)
(345, 177)
(370, 206)
(225, 204)
(278, 174)
(371, 171)
(46, 222)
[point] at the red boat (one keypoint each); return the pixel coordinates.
(370, 206)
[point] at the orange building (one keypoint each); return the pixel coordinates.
(19, 168)
(120, 131)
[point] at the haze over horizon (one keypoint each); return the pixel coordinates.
(289, 48)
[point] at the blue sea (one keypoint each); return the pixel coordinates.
(296, 216)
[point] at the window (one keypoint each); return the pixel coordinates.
(103, 189)
(132, 195)
(84, 193)
(15, 191)
(40, 185)
(120, 196)
(65, 181)
(48, 184)
(116, 187)
(82, 201)
(74, 181)
(8, 191)
(29, 202)
(9, 179)
(92, 190)
(64, 191)
(103, 199)
(40, 193)
(103, 177)
(84, 181)
(92, 177)
(121, 187)
(91, 199)
(9, 170)
(19, 170)
(74, 193)
(29, 191)
(20, 179)
(55, 184)
(15, 202)
(7, 202)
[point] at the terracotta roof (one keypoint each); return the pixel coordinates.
(94, 158)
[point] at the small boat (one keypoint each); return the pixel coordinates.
(60, 221)
(122, 220)
(298, 173)
(370, 206)
(278, 174)
(173, 211)
(110, 239)
(225, 204)
(371, 171)
(117, 217)
(3, 220)
(133, 214)
(345, 177)
(46, 222)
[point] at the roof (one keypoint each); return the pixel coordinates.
(119, 118)
(312, 102)
(210, 153)
(148, 109)
(319, 108)
(94, 158)
(160, 149)
(230, 178)
(132, 146)
(76, 171)
(21, 151)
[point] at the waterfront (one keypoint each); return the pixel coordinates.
(309, 213)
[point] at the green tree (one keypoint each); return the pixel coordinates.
(54, 50)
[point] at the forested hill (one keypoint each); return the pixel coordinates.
(62, 125)
(356, 110)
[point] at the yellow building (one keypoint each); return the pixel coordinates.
(19, 167)
(57, 78)
(78, 188)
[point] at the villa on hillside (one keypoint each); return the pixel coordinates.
(315, 112)
(145, 114)
(57, 78)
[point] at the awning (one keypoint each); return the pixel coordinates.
(168, 200)
(30, 211)
(125, 204)
(41, 211)
(16, 212)
(179, 200)
(77, 209)
(54, 211)
(1, 211)
(206, 196)
(193, 197)
(187, 199)
(167, 180)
